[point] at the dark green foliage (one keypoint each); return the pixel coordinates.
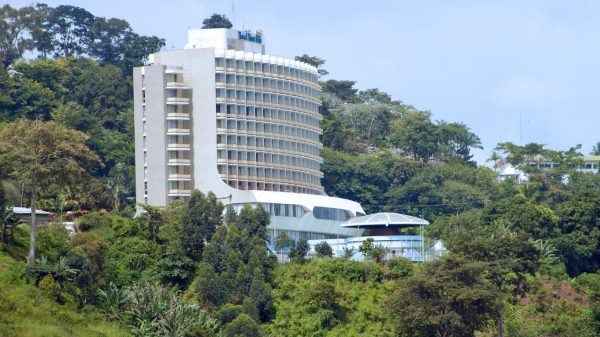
(371, 251)
(204, 215)
(344, 90)
(323, 249)
(330, 297)
(8, 220)
(209, 286)
(367, 178)
(537, 221)
(381, 152)
(78, 93)
(237, 267)
(176, 269)
(69, 25)
(229, 312)
(283, 241)
(53, 243)
(417, 136)
(399, 267)
(313, 61)
(449, 297)
(254, 220)
(113, 301)
(579, 242)
(242, 325)
(93, 221)
(299, 250)
(216, 21)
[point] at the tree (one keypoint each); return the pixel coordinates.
(255, 220)
(152, 220)
(446, 298)
(417, 136)
(42, 153)
(374, 96)
(496, 159)
(457, 140)
(41, 37)
(596, 150)
(313, 61)
(8, 220)
(118, 183)
(323, 249)
(112, 41)
(299, 251)
(216, 21)
(204, 216)
(28, 99)
(14, 39)
(371, 121)
(343, 89)
(70, 26)
(242, 325)
(375, 252)
(106, 39)
(282, 242)
(507, 258)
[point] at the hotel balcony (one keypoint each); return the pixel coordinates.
(184, 116)
(179, 162)
(178, 147)
(178, 132)
(180, 177)
(178, 85)
(174, 70)
(178, 100)
(180, 193)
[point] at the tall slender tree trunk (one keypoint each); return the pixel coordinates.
(500, 320)
(31, 257)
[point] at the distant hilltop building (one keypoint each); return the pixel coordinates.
(220, 115)
(591, 164)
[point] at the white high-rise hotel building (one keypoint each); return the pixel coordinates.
(220, 115)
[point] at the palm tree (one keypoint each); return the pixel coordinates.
(596, 150)
(118, 183)
(496, 159)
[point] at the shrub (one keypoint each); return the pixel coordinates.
(92, 221)
(113, 301)
(49, 287)
(399, 267)
(157, 310)
(229, 312)
(323, 249)
(52, 243)
(243, 325)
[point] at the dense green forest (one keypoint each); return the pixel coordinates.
(524, 257)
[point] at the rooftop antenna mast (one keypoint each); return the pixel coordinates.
(233, 12)
(521, 128)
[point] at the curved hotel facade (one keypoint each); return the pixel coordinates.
(220, 115)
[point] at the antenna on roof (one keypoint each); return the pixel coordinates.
(233, 12)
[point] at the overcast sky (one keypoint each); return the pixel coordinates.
(484, 63)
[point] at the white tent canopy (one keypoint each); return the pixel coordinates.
(383, 220)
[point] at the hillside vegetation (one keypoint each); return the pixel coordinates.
(524, 258)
